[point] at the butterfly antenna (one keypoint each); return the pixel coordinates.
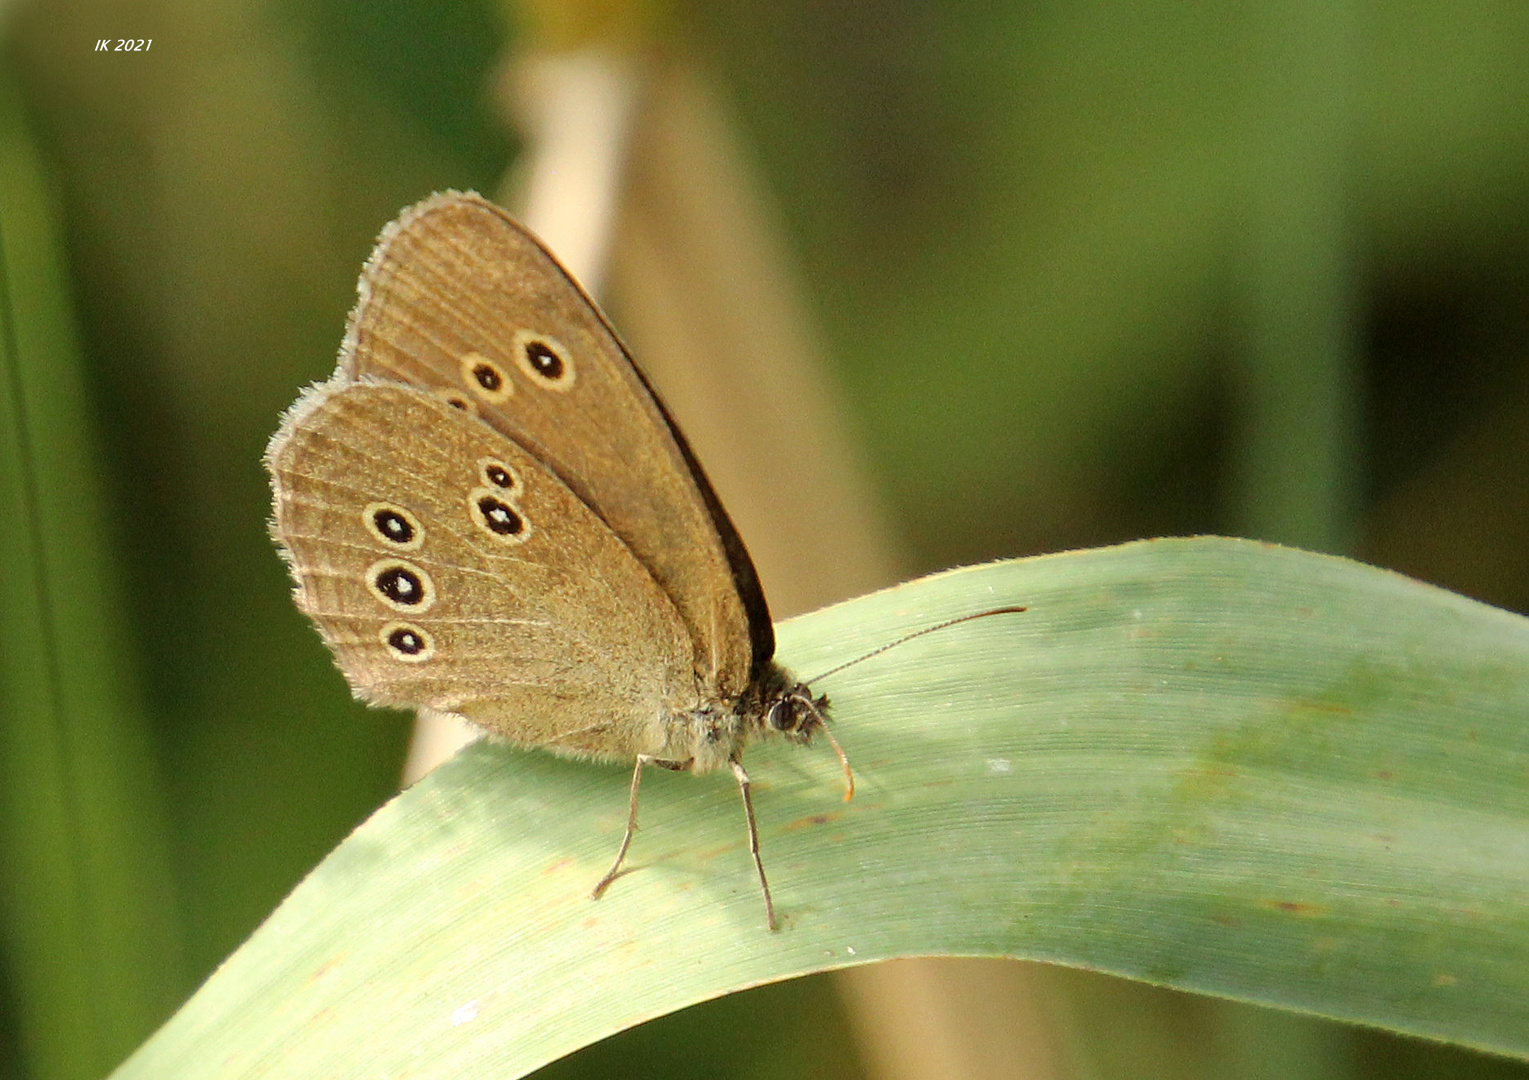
(904, 640)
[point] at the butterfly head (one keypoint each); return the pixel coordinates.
(788, 707)
(796, 713)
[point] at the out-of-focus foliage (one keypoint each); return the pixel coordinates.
(1044, 241)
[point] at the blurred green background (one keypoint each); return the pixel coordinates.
(1086, 272)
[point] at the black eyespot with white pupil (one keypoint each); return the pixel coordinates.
(394, 525)
(543, 361)
(408, 643)
(400, 585)
(484, 379)
(391, 525)
(500, 517)
(494, 510)
(488, 377)
(498, 475)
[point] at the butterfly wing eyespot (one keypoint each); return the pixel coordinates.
(458, 401)
(545, 361)
(394, 525)
(485, 379)
(498, 474)
(497, 517)
(407, 643)
(401, 585)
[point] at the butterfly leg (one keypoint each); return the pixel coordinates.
(748, 810)
(631, 827)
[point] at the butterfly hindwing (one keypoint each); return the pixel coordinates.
(448, 569)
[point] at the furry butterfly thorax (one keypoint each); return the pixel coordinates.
(488, 512)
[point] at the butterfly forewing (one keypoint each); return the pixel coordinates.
(448, 570)
(460, 301)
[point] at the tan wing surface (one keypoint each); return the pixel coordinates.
(460, 300)
(448, 569)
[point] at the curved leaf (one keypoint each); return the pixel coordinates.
(1213, 764)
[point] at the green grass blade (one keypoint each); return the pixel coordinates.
(1216, 765)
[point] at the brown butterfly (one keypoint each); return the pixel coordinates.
(488, 512)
